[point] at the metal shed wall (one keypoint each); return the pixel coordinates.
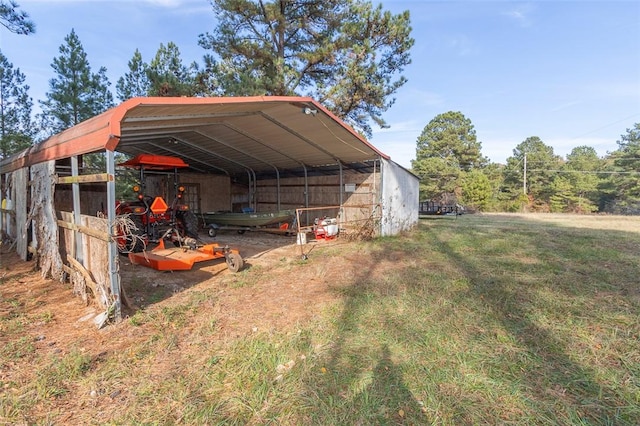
(400, 199)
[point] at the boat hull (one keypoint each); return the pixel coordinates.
(247, 219)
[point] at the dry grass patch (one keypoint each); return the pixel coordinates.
(483, 319)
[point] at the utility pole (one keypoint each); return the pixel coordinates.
(524, 180)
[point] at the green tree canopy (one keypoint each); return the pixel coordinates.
(16, 129)
(541, 168)
(15, 20)
(136, 82)
(477, 190)
(581, 171)
(167, 74)
(626, 182)
(446, 149)
(347, 54)
(451, 137)
(164, 76)
(75, 94)
(437, 177)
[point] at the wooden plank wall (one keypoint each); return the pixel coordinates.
(323, 191)
(9, 228)
(21, 205)
(95, 251)
(93, 196)
(215, 191)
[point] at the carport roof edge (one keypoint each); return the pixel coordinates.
(105, 131)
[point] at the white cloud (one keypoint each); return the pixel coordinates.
(521, 14)
(564, 106)
(462, 45)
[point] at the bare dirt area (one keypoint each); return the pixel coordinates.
(56, 320)
(42, 320)
(282, 298)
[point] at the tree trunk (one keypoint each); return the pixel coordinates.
(42, 213)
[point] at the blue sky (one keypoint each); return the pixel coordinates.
(565, 71)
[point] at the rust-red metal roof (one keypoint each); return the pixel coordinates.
(213, 135)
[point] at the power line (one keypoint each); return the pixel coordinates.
(617, 158)
(585, 171)
(605, 126)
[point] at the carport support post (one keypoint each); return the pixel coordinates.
(278, 185)
(75, 190)
(306, 192)
(341, 183)
(114, 274)
(380, 201)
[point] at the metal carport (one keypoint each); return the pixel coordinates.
(230, 135)
(248, 137)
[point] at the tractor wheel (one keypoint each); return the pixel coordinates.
(187, 223)
(212, 232)
(234, 262)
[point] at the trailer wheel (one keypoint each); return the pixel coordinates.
(234, 262)
(212, 232)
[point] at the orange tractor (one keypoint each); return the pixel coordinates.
(152, 220)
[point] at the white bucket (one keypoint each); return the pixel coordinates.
(302, 238)
(332, 230)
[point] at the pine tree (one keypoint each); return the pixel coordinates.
(344, 53)
(168, 76)
(16, 129)
(581, 171)
(476, 190)
(76, 94)
(15, 20)
(136, 81)
(627, 181)
(446, 150)
(541, 168)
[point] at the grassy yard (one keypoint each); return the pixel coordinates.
(480, 319)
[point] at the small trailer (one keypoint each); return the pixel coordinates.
(436, 208)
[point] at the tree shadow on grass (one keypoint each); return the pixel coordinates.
(559, 388)
(362, 381)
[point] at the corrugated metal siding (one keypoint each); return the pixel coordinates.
(223, 135)
(400, 199)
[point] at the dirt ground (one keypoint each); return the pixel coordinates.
(59, 320)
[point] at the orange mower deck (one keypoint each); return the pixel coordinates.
(183, 258)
